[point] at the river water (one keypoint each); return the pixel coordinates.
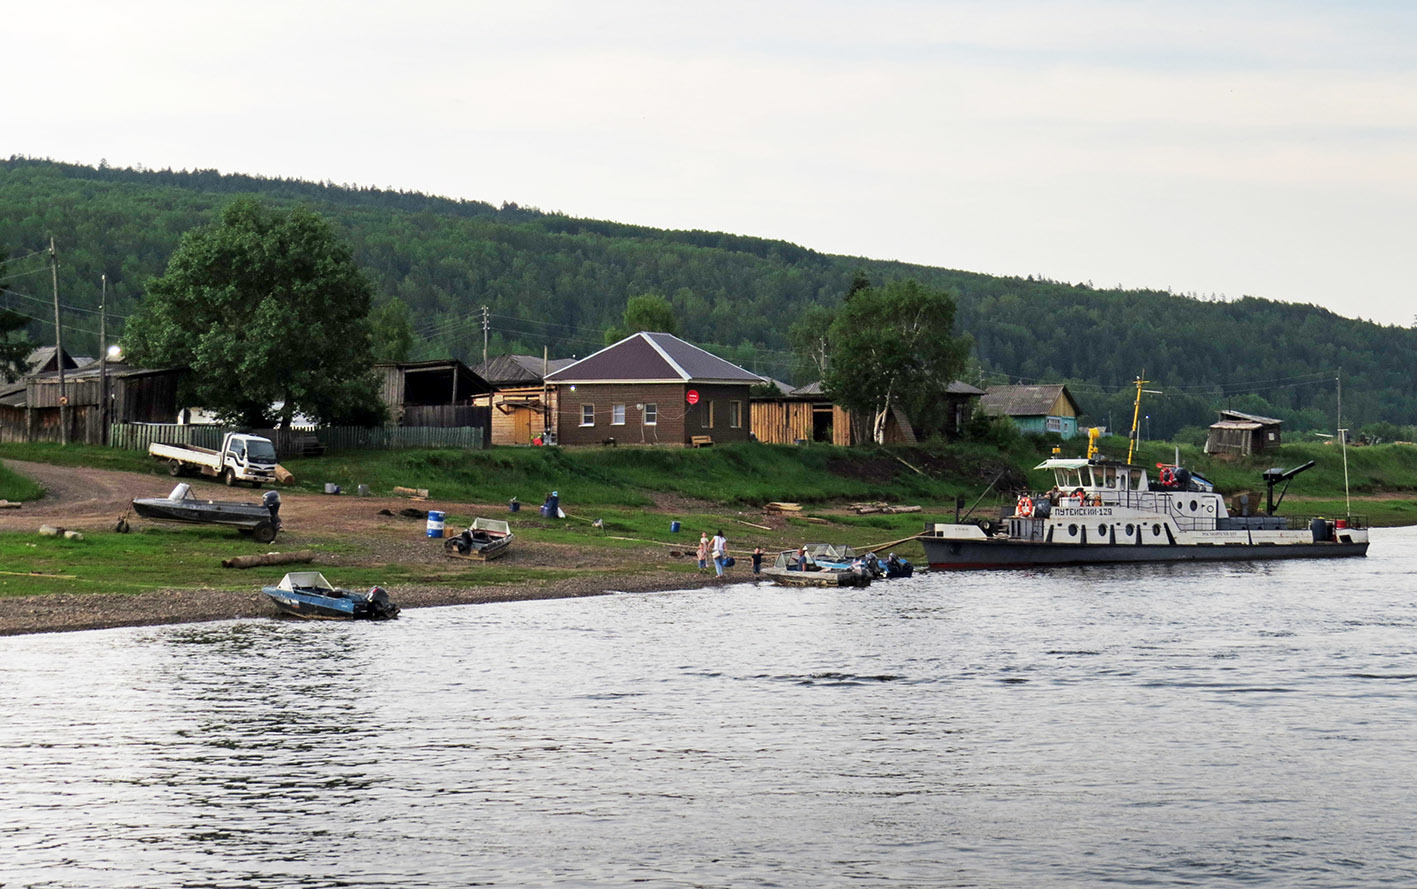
(1215, 725)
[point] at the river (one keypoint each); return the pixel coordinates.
(1175, 725)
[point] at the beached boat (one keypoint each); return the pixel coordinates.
(261, 520)
(483, 540)
(309, 594)
(841, 558)
(1106, 511)
(799, 568)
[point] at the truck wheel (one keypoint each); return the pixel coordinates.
(174, 469)
(229, 476)
(264, 533)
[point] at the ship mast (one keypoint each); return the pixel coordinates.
(1136, 415)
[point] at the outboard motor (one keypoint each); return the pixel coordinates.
(381, 607)
(271, 501)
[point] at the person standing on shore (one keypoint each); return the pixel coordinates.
(720, 552)
(703, 551)
(757, 560)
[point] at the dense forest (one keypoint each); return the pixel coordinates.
(549, 280)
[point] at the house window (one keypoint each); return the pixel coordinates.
(587, 415)
(617, 415)
(735, 414)
(1054, 424)
(707, 415)
(651, 414)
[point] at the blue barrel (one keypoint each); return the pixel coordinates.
(514, 506)
(435, 523)
(673, 527)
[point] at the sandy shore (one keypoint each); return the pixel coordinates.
(62, 613)
(90, 499)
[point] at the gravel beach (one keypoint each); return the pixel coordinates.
(90, 500)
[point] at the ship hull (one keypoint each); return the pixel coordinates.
(947, 555)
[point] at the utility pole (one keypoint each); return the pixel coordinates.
(103, 362)
(486, 325)
(59, 348)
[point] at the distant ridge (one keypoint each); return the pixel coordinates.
(554, 281)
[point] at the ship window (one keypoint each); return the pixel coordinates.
(1156, 530)
(1072, 530)
(1101, 530)
(1193, 506)
(1131, 529)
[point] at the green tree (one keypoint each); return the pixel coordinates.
(809, 337)
(895, 346)
(13, 352)
(391, 328)
(264, 306)
(649, 312)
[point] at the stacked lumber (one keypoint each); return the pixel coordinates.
(782, 507)
(879, 507)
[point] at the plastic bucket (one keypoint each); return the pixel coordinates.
(331, 488)
(674, 527)
(1340, 523)
(435, 523)
(514, 506)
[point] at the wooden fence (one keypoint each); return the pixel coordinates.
(294, 442)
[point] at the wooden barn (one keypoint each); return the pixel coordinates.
(805, 414)
(1241, 434)
(522, 405)
(30, 408)
(652, 388)
(443, 392)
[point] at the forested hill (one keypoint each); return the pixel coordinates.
(551, 280)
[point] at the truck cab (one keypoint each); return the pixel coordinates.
(248, 458)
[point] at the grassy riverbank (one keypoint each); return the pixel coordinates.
(620, 502)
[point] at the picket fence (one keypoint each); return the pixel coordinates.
(297, 442)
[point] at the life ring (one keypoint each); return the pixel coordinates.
(1024, 509)
(1168, 477)
(1080, 496)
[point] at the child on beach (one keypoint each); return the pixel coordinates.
(703, 551)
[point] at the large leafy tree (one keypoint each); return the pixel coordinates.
(266, 307)
(649, 312)
(895, 346)
(13, 351)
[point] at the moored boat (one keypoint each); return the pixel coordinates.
(261, 520)
(799, 568)
(309, 594)
(483, 540)
(1105, 511)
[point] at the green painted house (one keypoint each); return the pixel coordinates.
(1036, 409)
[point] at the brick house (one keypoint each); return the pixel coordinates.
(652, 388)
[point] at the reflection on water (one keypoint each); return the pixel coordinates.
(1211, 725)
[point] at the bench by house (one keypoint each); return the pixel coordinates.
(700, 441)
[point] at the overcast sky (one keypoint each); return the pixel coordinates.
(1229, 148)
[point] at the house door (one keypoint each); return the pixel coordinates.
(526, 424)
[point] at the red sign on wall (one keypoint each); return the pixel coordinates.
(692, 396)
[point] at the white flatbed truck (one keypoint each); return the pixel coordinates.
(242, 458)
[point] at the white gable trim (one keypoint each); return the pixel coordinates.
(678, 368)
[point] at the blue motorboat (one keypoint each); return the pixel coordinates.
(309, 594)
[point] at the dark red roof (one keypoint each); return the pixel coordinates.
(652, 358)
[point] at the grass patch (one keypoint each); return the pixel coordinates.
(16, 487)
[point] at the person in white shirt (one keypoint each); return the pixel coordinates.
(720, 552)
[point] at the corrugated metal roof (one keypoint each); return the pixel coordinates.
(1023, 401)
(1238, 415)
(1246, 425)
(506, 369)
(652, 358)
